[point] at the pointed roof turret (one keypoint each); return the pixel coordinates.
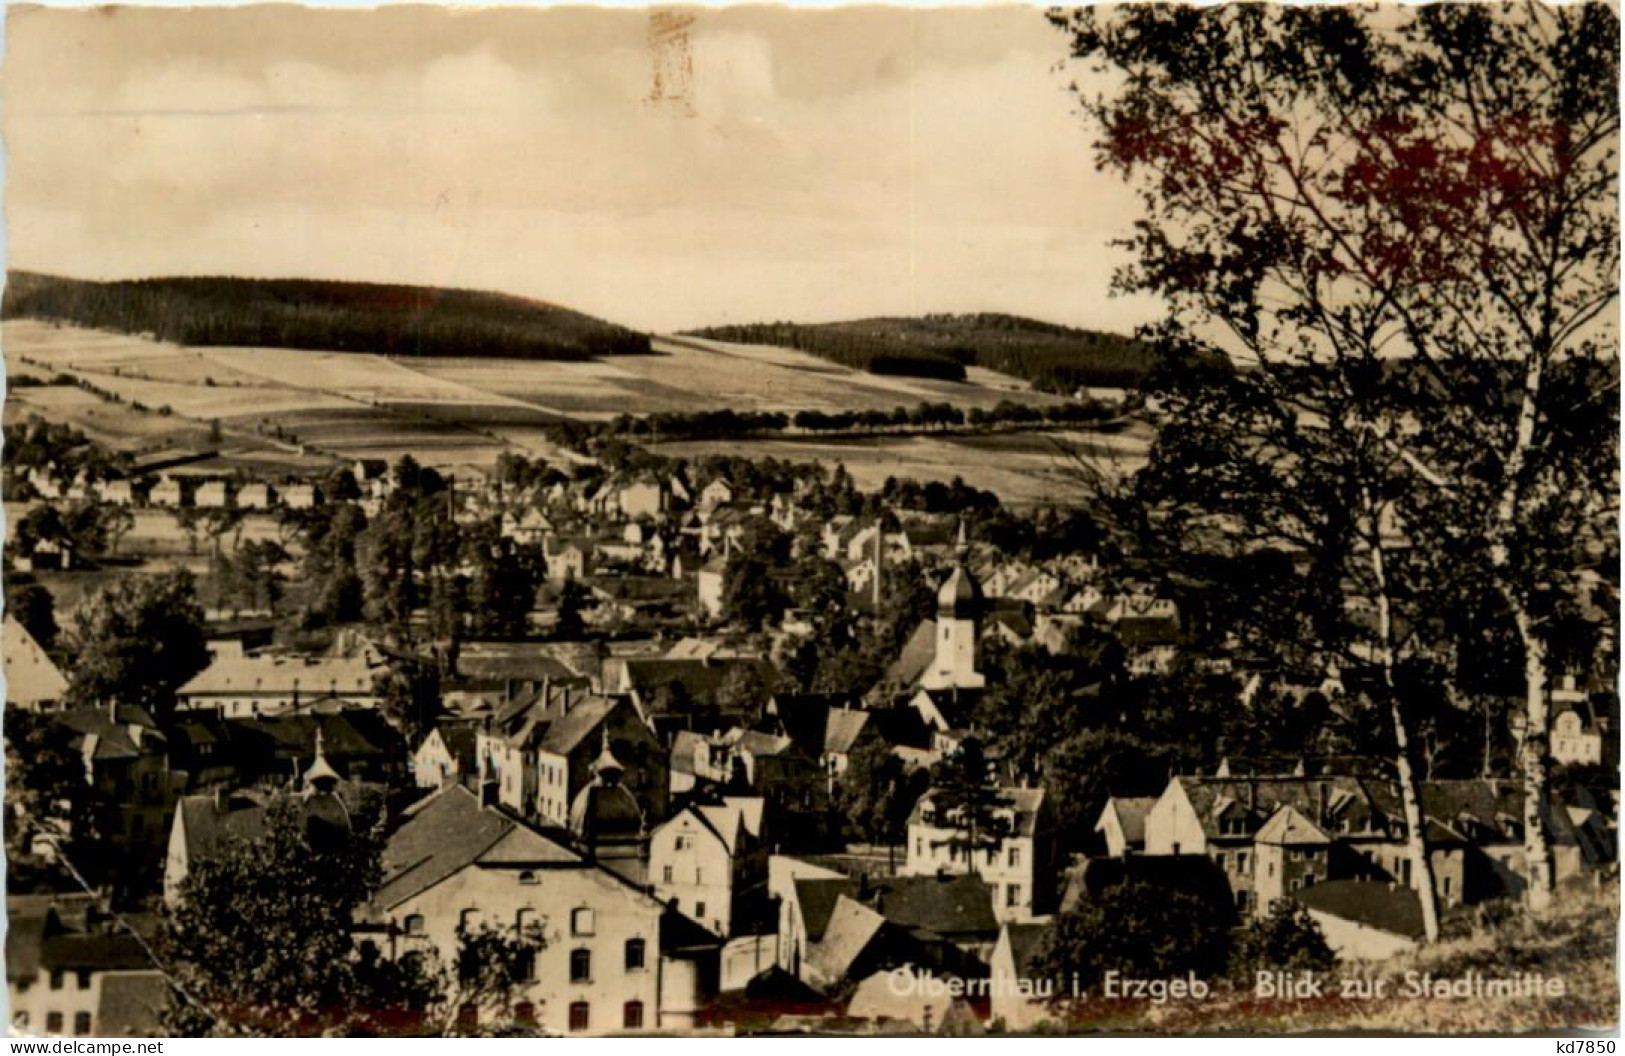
(321, 776)
(607, 768)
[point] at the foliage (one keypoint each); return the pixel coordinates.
(328, 316)
(33, 606)
(1054, 358)
(136, 641)
(877, 792)
(1138, 929)
(965, 792)
(47, 795)
(259, 942)
(1287, 939)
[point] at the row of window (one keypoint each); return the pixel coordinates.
(668, 875)
(581, 1016)
(58, 978)
(1012, 854)
(53, 1023)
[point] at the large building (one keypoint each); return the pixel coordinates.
(459, 863)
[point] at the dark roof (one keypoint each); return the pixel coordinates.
(517, 664)
(1025, 942)
(209, 823)
(1386, 907)
(1131, 812)
(567, 732)
(678, 933)
(947, 905)
(447, 832)
(131, 1004)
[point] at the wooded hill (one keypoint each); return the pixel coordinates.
(329, 316)
(1054, 358)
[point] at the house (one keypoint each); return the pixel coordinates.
(33, 681)
(238, 686)
(1576, 737)
(211, 494)
(717, 493)
(842, 927)
(116, 492)
(1365, 920)
(255, 495)
(1268, 834)
(1018, 997)
(167, 492)
(608, 965)
(703, 859)
(202, 825)
(644, 498)
(1019, 867)
(1122, 824)
(529, 527)
(573, 742)
(126, 758)
(71, 972)
(570, 561)
(708, 587)
(446, 755)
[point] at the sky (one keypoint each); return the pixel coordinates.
(753, 164)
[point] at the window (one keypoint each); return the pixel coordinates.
(84, 978)
(21, 1020)
(53, 1022)
(56, 980)
(699, 910)
(580, 966)
(632, 1016)
(527, 877)
(919, 847)
(666, 874)
(414, 924)
(581, 921)
(1308, 879)
(469, 919)
(1015, 857)
(1241, 862)
(684, 842)
(525, 1012)
(1447, 887)
(580, 1015)
(1012, 895)
(81, 1024)
(634, 955)
(1241, 900)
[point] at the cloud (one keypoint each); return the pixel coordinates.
(933, 164)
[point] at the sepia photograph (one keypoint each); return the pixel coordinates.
(771, 521)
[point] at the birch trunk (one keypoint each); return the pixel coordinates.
(1537, 842)
(1409, 788)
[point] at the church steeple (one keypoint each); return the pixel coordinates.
(959, 613)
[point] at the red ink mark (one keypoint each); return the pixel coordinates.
(671, 60)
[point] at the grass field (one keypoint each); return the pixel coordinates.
(1023, 469)
(464, 411)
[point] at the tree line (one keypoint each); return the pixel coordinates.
(329, 316)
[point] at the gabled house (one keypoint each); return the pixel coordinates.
(33, 681)
(1018, 868)
(704, 860)
(610, 964)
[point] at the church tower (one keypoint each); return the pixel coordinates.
(959, 612)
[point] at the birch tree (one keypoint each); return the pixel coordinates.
(1401, 228)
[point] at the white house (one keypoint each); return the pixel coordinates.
(456, 863)
(696, 859)
(1019, 867)
(33, 681)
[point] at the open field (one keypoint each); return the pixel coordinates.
(464, 411)
(1023, 469)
